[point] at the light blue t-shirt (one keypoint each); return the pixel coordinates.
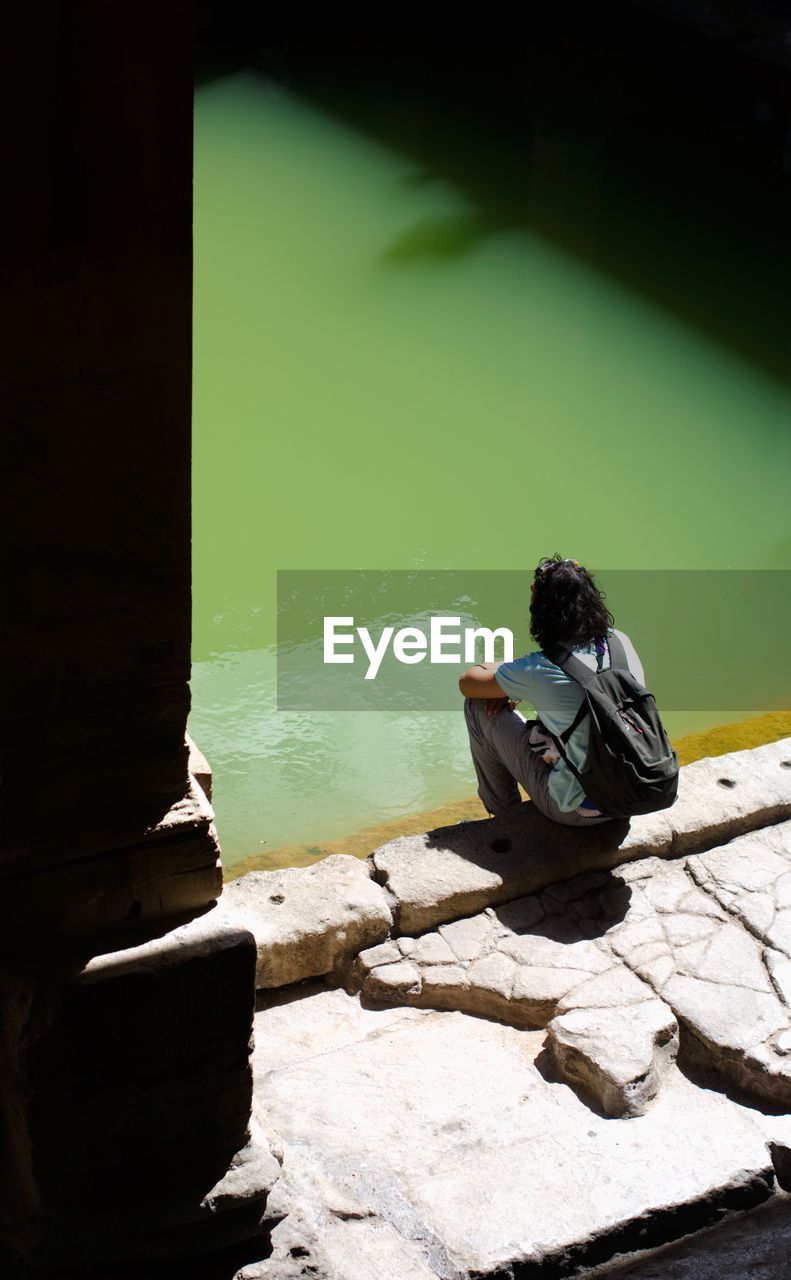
(557, 699)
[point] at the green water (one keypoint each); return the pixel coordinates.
(380, 384)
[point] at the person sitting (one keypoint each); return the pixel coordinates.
(566, 609)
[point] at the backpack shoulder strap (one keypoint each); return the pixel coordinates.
(617, 652)
(579, 717)
(571, 665)
(578, 671)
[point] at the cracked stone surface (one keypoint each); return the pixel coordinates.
(542, 961)
(751, 878)
(702, 939)
(433, 1143)
(703, 960)
(559, 1043)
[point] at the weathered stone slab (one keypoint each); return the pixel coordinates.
(708, 968)
(307, 920)
(442, 1129)
(344, 1244)
(541, 957)
(615, 1038)
(457, 871)
(515, 972)
(724, 796)
(751, 878)
(290, 1028)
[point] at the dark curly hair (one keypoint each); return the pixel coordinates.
(567, 605)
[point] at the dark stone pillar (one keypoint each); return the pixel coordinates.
(95, 642)
(113, 1059)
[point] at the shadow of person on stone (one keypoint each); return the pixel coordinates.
(527, 851)
(583, 908)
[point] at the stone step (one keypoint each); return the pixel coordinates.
(458, 870)
(429, 1143)
(312, 921)
(308, 920)
(528, 1082)
(618, 964)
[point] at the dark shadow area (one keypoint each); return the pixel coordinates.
(648, 1232)
(222, 1265)
(692, 1063)
(546, 1068)
(580, 909)
(529, 851)
(658, 155)
(273, 997)
(757, 1247)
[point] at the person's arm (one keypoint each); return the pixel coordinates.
(479, 681)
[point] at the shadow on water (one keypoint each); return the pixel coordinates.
(450, 236)
(660, 157)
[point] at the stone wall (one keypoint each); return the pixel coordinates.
(125, 1074)
(96, 393)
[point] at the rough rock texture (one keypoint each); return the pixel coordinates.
(533, 959)
(751, 879)
(781, 1159)
(694, 932)
(553, 1127)
(306, 921)
(711, 971)
(421, 1143)
(456, 871)
(613, 1037)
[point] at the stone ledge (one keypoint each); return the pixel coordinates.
(457, 871)
(420, 1139)
(313, 921)
(307, 921)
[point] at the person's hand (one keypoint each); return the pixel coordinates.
(493, 706)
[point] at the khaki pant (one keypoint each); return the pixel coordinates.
(502, 758)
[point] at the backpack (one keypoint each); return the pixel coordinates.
(631, 766)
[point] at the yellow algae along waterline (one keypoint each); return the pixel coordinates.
(694, 746)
